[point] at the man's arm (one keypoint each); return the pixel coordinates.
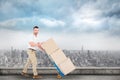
(32, 44)
(40, 47)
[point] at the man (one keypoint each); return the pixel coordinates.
(33, 45)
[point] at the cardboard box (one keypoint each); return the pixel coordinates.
(49, 46)
(67, 66)
(58, 56)
(63, 64)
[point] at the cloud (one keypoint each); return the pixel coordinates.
(8, 10)
(68, 16)
(93, 23)
(8, 24)
(30, 8)
(29, 22)
(52, 22)
(83, 13)
(82, 18)
(19, 40)
(114, 26)
(15, 23)
(96, 16)
(87, 18)
(11, 38)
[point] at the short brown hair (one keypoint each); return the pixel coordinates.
(35, 27)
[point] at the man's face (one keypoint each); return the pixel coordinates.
(35, 30)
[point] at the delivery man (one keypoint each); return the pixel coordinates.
(33, 45)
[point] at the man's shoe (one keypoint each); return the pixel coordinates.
(59, 77)
(24, 74)
(37, 77)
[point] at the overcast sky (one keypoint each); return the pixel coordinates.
(93, 24)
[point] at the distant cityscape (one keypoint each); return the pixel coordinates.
(81, 58)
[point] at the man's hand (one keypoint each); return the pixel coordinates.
(32, 44)
(39, 45)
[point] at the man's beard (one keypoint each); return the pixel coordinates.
(35, 33)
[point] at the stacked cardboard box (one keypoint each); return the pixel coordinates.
(50, 46)
(57, 55)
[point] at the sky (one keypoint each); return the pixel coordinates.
(73, 24)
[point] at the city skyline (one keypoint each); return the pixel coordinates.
(81, 58)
